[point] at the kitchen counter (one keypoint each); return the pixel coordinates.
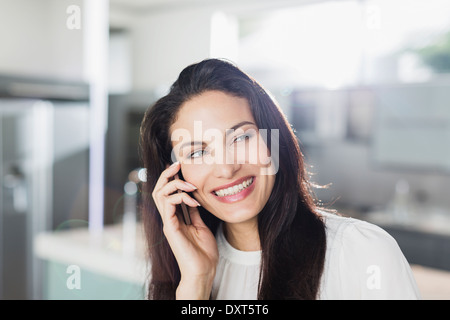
(104, 262)
(109, 264)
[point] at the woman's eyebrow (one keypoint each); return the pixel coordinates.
(228, 132)
(192, 143)
(240, 124)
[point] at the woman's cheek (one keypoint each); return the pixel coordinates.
(249, 152)
(193, 174)
(267, 159)
(263, 152)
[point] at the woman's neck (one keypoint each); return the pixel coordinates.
(243, 236)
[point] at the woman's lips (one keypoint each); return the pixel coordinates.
(236, 182)
(240, 195)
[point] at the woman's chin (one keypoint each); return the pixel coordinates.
(237, 216)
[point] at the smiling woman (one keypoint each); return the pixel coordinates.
(229, 186)
(255, 230)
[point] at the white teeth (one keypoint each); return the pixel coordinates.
(234, 189)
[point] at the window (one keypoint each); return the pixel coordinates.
(344, 43)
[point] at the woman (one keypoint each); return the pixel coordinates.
(255, 231)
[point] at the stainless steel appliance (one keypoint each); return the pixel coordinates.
(44, 161)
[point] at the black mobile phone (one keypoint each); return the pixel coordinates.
(186, 217)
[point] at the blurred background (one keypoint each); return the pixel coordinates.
(365, 84)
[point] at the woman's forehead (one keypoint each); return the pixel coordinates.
(213, 110)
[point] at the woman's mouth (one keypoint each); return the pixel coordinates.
(237, 191)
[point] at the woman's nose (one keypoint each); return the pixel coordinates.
(226, 170)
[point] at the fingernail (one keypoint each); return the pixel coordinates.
(175, 163)
(191, 185)
(198, 204)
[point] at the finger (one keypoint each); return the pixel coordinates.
(174, 186)
(196, 219)
(166, 175)
(171, 201)
(182, 197)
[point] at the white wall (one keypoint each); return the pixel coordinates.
(35, 40)
(119, 60)
(166, 42)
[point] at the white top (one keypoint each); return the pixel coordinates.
(362, 261)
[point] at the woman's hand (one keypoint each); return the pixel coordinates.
(194, 245)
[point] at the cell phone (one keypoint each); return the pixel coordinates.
(186, 216)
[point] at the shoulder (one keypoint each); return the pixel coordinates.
(345, 232)
(367, 261)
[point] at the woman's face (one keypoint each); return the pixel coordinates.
(221, 152)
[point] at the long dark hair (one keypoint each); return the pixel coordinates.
(291, 231)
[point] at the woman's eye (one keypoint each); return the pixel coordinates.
(242, 138)
(197, 154)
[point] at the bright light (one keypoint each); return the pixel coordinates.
(340, 43)
(224, 36)
(142, 174)
(96, 29)
(319, 44)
